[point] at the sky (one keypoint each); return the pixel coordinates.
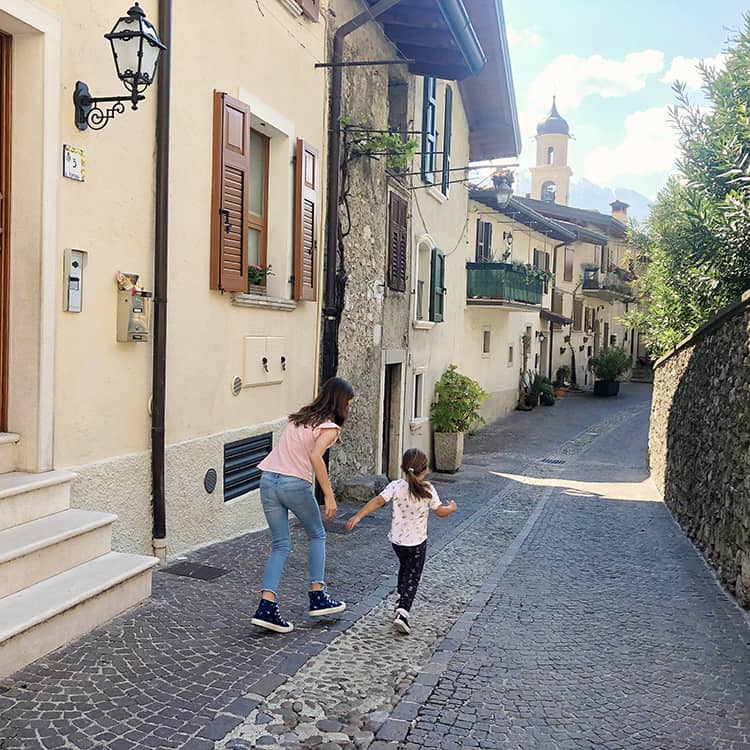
(611, 66)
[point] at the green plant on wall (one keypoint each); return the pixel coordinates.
(457, 402)
(532, 274)
(363, 141)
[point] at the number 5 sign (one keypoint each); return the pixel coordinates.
(74, 163)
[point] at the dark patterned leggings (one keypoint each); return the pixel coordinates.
(409, 572)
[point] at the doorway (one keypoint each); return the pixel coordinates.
(390, 459)
(5, 162)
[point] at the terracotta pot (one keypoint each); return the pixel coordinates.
(560, 392)
(449, 450)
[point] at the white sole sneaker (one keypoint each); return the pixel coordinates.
(330, 611)
(402, 626)
(271, 626)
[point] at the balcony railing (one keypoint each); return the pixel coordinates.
(501, 281)
(611, 284)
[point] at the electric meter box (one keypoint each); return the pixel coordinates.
(134, 315)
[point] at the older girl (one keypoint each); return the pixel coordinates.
(286, 485)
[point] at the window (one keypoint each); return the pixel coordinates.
(483, 250)
(429, 129)
(550, 155)
(588, 319)
(417, 412)
(537, 262)
(258, 201)
(486, 342)
(437, 285)
(570, 255)
(420, 300)
(548, 192)
(447, 122)
(557, 306)
(397, 233)
(241, 459)
(510, 355)
(605, 258)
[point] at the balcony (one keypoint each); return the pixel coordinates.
(501, 285)
(608, 286)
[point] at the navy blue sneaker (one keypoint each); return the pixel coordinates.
(267, 616)
(402, 621)
(321, 604)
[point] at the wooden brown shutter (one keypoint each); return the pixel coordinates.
(229, 195)
(397, 234)
(311, 8)
(577, 314)
(557, 307)
(569, 258)
(305, 222)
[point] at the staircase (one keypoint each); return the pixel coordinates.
(58, 576)
(641, 373)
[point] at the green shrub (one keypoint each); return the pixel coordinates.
(562, 375)
(457, 402)
(610, 363)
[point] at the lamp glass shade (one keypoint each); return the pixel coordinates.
(504, 193)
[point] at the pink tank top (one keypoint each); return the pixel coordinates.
(291, 457)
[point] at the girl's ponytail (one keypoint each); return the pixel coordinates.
(413, 464)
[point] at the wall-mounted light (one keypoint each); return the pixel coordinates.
(503, 182)
(136, 48)
(539, 335)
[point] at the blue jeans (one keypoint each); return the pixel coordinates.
(279, 494)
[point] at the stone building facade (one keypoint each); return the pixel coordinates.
(699, 441)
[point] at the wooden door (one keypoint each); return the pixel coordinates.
(5, 163)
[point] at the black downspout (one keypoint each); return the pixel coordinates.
(161, 242)
(331, 310)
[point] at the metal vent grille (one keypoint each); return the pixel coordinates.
(553, 461)
(241, 459)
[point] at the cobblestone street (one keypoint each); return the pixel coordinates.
(561, 607)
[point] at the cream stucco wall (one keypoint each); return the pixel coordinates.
(102, 387)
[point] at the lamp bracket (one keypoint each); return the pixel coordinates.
(88, 113)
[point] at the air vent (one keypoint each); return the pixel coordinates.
(553, 461)
(241, 459)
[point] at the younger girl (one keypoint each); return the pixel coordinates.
(286, 485)
(412, 498)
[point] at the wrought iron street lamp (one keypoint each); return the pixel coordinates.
(503, 188)
(136, 48)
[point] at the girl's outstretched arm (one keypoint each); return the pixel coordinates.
(446, 510)
(374, 504)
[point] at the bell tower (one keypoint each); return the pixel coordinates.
(550, 178)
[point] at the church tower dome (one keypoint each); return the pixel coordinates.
(550, 177)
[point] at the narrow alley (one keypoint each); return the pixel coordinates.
(561, 607)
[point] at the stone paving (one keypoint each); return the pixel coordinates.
(555, 612)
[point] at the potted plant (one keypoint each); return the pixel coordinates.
(256, 278)
(453, 413)
(562, 378)
(608, 366)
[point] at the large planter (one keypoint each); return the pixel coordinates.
(532, 399)
(449, 450)
(606, 387)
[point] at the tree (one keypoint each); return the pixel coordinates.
(693, 253)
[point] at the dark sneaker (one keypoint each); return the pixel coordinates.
(321, 604)
(267, 616)
(402, 621)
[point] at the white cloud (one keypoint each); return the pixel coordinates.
(685, 69)
(573, 78)
(648, 147)
(528, 38)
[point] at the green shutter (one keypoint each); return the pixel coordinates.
(447, 123)
(429, 129)
(437, 285)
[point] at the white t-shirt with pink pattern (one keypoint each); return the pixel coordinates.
(410, 513)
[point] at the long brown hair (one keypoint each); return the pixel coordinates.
(332, 403)
(414, 463)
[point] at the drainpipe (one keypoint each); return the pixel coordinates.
(158, 378)
(329, 349)
(551, 333)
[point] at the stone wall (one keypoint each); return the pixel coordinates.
(699, 441)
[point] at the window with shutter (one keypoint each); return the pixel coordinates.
(557, 307)
(397, 234)
(537, 259)
(483, 251)
(437, 285)
(569, 259)
(310, 8)
(447, 124)
(546, 268)
(577, 314)
(605, 258)
(429, 129)
(229, 195)
(305, 222)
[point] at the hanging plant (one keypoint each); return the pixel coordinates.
(372, 143)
